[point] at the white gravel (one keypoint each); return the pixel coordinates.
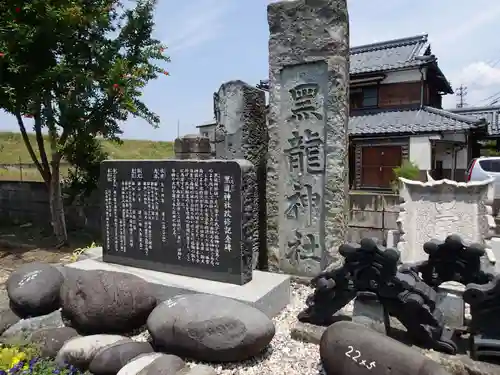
(284, 355)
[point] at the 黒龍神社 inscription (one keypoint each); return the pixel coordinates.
(303, 177)
(308, 134)
(178, 216)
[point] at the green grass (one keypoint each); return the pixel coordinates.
(14, 151)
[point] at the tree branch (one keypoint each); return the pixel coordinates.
(30, 148)
(40, 142)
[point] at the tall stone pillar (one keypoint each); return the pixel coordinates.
(307, 180)
(241, 133)
(192, 146)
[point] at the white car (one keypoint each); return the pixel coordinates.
(483, 168)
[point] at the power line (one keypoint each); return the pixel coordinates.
(461, 94)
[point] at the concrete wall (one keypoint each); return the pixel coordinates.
(372, 215)
(420, 152)
(23, 202)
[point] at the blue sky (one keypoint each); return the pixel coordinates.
(213, 41)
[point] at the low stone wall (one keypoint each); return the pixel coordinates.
(28, 202)
(372, 214)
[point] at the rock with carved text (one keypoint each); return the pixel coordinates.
(307, 167)
(33, 289)
(348, 348)
(210, 328)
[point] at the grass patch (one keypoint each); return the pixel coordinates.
(14, 151)
(25, 174)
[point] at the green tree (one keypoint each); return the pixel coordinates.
(75, 69)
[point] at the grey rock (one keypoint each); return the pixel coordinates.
(462, 364)
(80, 351)
(455, 364)
(308, 44)
(197, 370)
(106, 302)
(51, 340)
(139, 363)
(306, 332)
(110, 359)
(348, 348)
(33, 289)
(25, 327)
(7, 319)
(166, 364)
(192, 146)
(210, 328)
(240, 113)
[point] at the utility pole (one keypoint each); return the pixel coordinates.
(461, 94)
(178, 128)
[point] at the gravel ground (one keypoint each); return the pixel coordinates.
(285, 355)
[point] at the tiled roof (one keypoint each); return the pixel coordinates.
(391, 54)
(426, 119)
(490, 114)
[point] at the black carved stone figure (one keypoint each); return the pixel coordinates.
(452, 260)
(369, 267)
(366, 263)
(484, 301)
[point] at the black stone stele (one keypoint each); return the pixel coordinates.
(369, 267)
(175, 216)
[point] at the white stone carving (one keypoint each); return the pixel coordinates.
(438, 208)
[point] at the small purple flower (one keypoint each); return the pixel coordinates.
(33, 362)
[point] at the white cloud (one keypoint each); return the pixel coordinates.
(480, 74)
(482, 81)
(199, 22)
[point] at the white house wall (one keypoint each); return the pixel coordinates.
(420, 152)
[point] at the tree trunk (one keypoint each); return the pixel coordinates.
(58, 218)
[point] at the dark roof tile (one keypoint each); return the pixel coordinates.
(426, 119)
(491, 114)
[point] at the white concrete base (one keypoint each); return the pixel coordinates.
(269, 292)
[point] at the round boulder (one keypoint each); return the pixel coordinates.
(80, 351)
(210, 328)
(153, 364)
(106, 302)
(51, 340)
(110, 359)
(33, 289)
(348, 348)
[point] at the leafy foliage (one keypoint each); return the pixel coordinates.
(408, 170)
(77, 68)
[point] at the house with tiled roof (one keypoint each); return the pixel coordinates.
(490, 113)
(396, 89)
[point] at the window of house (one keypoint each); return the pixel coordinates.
(377, 166)
(205, 134)
(364, 97)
